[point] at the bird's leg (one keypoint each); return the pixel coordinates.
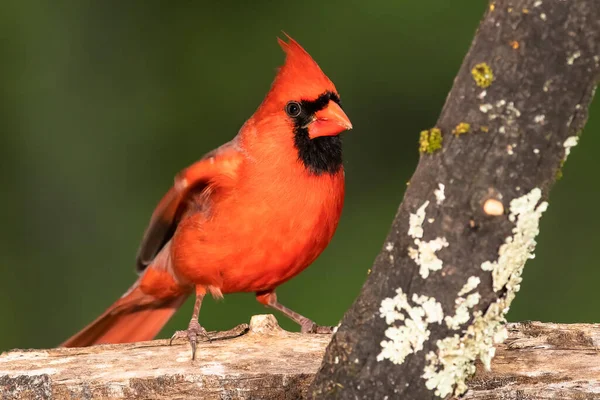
(306, 325)
(194, 329)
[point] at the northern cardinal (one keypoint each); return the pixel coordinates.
(246, 217)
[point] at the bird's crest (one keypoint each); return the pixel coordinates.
(300, 77)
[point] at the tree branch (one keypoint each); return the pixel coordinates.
(537, 361)
(452, 262)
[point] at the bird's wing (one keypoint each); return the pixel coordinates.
(219, 163)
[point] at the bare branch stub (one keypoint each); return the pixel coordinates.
(452, 262)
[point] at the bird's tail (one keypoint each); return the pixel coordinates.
(134, 317)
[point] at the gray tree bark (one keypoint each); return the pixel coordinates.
(435, 301)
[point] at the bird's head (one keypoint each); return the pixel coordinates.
(303, 94)
(303, 99)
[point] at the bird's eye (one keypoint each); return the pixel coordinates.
(293, 109)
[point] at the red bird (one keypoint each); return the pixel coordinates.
(247, 217)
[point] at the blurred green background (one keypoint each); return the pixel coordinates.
(102, 102)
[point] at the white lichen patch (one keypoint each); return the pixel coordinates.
(425, 257)
(571, 59)
(415, 222)
(453, 363)
(539, 119)
(389, 246)
(464, 304)
(484, 108)
(487, 266)
(409, 323)
(471, 284)
(570, 142)
(461, 313)
(448, 369)
(543, 16)
(537, 3)
(518, 248)
(482, 94)
(439, 194)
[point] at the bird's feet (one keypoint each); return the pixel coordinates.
(192, 333)
(308, 326)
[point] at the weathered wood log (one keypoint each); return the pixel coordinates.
(264, 363)
(542, 361)
(449, 269)
(538, 361)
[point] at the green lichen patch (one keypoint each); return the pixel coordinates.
(483, 75)
(430, 141)
(461, 129)
(559, 171)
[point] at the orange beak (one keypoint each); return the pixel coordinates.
(330, 121)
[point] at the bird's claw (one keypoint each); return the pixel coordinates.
(192, 333)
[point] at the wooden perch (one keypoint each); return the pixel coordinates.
(538, 361)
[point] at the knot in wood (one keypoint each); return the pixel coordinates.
(265, 324)
(487, 201)
(493, 207)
